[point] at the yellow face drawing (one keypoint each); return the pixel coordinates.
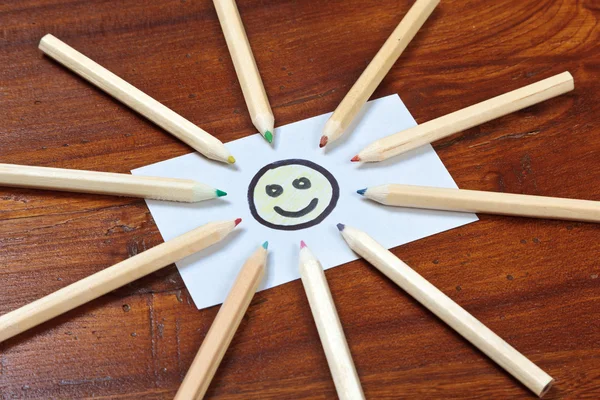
(292, 194)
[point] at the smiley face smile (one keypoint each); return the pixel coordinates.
(297, 214)
(280, 188)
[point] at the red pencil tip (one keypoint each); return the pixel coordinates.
(323, 142)
(355, 159)
(302, 244)
(237, 221)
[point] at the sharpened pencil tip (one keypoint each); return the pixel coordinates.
(355, 159)
(269, 136)
(323, 142)
(341, 227)
(231, 160)
(266, 245)
(302, 244)
(221, 193)
(361, 192)
(237, 221)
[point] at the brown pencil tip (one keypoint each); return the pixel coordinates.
(355, 159)
(323, 142)
(237, 221)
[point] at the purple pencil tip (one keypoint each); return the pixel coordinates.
(341, 227)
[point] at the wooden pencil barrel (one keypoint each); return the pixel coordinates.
(464, 323)
(103, 183)
(111, 278)
(448, 311)
(331, 333)
(378, 68)
(245, 65)
(128, 94)
(477, 114)
(491, 203)
(221, 332)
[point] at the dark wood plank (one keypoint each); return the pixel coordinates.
(534, 282)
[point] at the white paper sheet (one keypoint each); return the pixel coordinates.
(209, 274)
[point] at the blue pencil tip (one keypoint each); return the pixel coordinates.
(361, 192)
(341, 227)
(266, 245)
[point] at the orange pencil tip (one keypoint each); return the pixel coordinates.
(355, 159)
(323, 142)
(237, 221)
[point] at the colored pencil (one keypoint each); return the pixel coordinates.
(245, 67)
(72, 180)
(112, 278)
(448, 311)
(223, 328)
(466, 118)
(126, 93)
(377, 69)
(484, 202)
(329, 327)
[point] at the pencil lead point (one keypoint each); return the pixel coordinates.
(231, 160)
(341, 227)
(323, 142)
(221, 193)
(265, 245)
(302, 244)
(355, 159)
(237, 221)
(361, 192)
(269, 136)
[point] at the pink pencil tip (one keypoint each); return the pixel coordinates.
(355, 159)
(323, 142)
(302, 244)
(237, 221)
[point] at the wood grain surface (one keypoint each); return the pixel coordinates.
(536, 283)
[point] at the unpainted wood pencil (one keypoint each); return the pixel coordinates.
(246, 68)
(107, 183)
(169, 120)
(337, 125)
(112, 278)
(538, 381)
(521, 205)
(458, 121)
(330, 330)
(223, 328)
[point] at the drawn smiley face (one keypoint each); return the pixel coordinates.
(292, 194)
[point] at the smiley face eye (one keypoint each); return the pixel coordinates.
(301, 183)
(274, 190)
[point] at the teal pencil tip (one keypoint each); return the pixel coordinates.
(266, 245)
(221, 193)
(361, 192)
(269, 136)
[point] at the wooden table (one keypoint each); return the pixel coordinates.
(534, 282)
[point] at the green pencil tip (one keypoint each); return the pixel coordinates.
(221, 193)
(266, 245)
(269, 136)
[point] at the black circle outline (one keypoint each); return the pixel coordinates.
(335, 195)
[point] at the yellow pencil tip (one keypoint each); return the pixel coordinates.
(231, 160)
